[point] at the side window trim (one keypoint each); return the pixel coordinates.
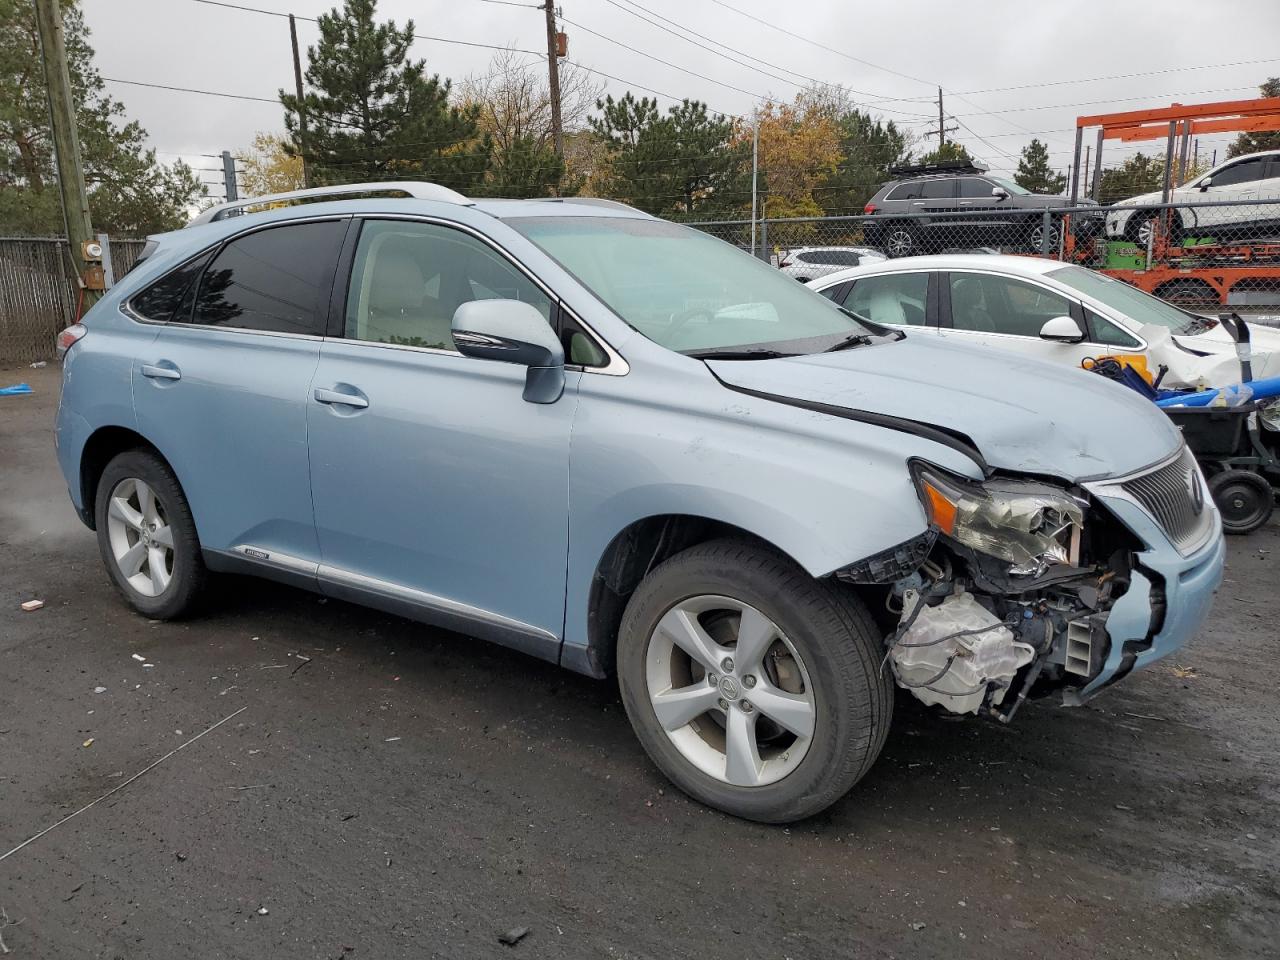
(211, 253)
(945, 321)
(932, 296)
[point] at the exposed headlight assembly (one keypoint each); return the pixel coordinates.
(1025, 523)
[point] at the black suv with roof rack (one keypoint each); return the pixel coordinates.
(938, 205)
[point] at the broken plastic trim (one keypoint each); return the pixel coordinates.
(948, 438)
(891, 564)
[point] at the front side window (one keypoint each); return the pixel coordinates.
(1104, 331)
(897, 299)
(1246, 171)
(409, 278)
(987, 303)
(973, 188)
(688, 291)
(275, 280)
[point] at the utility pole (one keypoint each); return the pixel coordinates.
(229, 176)
(303, 146)
(66, 139)
(942, 130)
(755, 169)
(553, 71)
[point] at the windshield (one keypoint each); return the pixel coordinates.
(690, 292)
(1130, 301)
(1015, 188)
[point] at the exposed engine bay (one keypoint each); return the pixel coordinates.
(1006, 595)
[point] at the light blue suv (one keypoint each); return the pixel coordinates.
(624, 446)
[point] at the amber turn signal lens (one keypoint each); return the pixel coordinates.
(942, 512)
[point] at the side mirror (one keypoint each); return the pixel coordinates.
(1000, 193)
(513, 332)
(1205, 184)
(1062, 330)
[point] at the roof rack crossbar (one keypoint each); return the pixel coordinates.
(942, 166)
(417, 189)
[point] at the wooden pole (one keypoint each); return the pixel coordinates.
(303, 146)
(553, 74)
(66, 139)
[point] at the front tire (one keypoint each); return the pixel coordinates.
(900, 240)
(755, 688)
(147, 537)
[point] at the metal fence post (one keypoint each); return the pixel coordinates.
(1046, 227)
(229, 175)
(764, 241)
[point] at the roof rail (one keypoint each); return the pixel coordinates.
(593, 202)
(943, 166)
(417, 189)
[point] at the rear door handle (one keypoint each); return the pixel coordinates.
(337, 396)
(158, 372)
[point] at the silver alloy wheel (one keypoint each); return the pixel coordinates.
(140, 537)
(1037, 239)
(900, 242)
(1144, 231)
(730, 690)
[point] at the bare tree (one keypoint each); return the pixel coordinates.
(515, 102)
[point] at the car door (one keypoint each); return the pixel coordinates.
(1007, 313)
(984, 222)
(439, 492)
(1237, 185)
(222, 390)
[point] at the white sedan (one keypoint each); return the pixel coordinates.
(1051, 310)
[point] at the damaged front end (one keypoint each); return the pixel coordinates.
(1005, 596)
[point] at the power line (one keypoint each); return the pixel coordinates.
(668, 63)
(416, 36)
(206, 93)
(1118, 76)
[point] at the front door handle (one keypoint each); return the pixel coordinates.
(158, 372)
(337, 396)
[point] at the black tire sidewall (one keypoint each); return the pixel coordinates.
(188, 565)
(853, 701)
(1261, 487)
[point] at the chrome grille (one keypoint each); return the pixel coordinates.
(1175, 497)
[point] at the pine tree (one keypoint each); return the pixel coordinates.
(1263, 140)
(1034, 172)
(680, 163)
(374, 114)
(130, 193)
(949, 152)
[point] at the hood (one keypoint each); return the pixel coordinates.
(1220, 366)
(1022, 414)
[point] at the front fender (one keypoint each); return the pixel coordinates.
(823, 490)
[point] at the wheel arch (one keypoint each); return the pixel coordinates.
(630, 555)
(99, 449)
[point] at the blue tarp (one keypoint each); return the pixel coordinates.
(16, 390)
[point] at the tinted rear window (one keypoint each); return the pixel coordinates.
(276, 279)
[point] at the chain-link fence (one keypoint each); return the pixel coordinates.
(38, 295)
(1208, 255)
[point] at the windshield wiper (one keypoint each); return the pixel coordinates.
(739, 354)
(854, 340)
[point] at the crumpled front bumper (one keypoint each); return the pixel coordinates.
(1168, 599)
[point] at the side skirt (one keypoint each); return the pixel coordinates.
(387, 596)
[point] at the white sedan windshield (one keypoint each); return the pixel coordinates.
(688, 291)
(1130, 301)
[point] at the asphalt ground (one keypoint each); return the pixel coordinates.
(384, 790)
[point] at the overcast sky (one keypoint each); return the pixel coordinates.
(893, 54)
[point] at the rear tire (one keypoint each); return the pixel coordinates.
(1245, 500)
(900, 240)
(147, 537)
(809, 653)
